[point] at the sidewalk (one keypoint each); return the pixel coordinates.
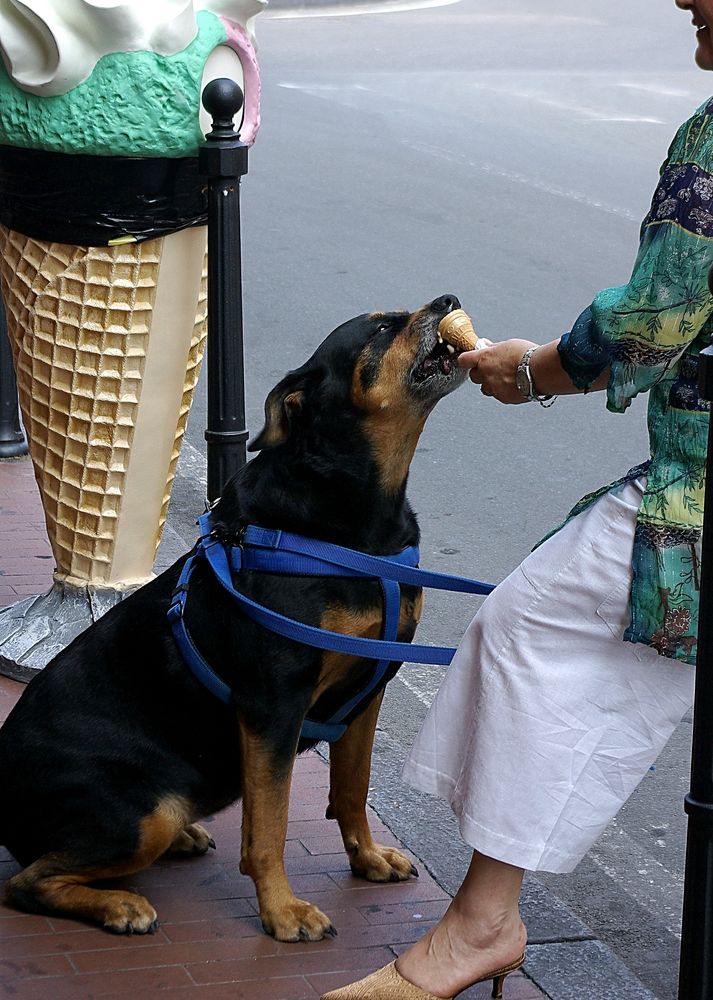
(210, 945)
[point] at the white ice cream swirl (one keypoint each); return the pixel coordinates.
(50, 46)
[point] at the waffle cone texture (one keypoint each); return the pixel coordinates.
(107, 344)
(457, 329)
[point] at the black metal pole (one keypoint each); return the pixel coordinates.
(12, 440)
(696, 970)
(224, 160)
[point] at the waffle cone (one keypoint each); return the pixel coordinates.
(457, 329)
(107, 344)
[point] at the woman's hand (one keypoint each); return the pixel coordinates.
(493, 369)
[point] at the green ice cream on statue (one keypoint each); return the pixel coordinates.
(124, 87)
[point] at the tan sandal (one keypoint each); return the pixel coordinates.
(387, 984)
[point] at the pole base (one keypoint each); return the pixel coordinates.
(13, 446)
(36, 629)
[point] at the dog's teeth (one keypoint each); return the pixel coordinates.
(451, 348)
(440, 339)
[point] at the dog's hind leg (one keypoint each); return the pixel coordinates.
(192, 840)
(46, 886)
(349, 770)
(266, 792)
(58, 882)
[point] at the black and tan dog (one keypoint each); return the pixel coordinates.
(115, 751)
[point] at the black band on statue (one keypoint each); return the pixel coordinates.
(98, 200)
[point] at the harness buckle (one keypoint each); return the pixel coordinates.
(236, 550)
(175, 612)
(178, 603)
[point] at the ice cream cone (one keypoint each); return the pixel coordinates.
(456, 328)
(103, 275)
(95, 332)
(107, 344)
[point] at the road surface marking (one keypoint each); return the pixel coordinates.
(638, 874)
(403, 676)
(399, 6)
(350, 10)
(518, 178)
(655, 88)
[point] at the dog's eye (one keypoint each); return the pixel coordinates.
(383, 327)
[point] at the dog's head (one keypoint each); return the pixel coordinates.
(374, 380)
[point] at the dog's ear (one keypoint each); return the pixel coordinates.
(282, 409)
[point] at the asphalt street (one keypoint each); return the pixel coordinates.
(506, 152)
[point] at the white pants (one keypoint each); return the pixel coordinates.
(546, 720)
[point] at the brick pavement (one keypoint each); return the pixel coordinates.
(25, 555)
(210, 945)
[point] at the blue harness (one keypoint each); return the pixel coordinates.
(272, 551)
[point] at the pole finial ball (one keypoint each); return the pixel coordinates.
(222, 98)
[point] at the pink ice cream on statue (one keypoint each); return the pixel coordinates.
(239, 40)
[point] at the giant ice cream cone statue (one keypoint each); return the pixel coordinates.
(102, 270)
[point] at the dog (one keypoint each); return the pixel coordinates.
(115, 751)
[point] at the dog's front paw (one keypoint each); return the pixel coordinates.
(128, 913)
(297, 921)
(381, 864)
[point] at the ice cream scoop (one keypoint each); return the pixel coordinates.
(49, 48)
(120, 77)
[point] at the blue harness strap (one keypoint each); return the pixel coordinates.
(273, 551)
(402, 567)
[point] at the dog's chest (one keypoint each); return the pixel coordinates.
(366, 623)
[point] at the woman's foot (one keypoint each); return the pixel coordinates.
(388, 984)
(459, 951)
(479, 937)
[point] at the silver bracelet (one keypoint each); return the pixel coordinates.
(524, 382)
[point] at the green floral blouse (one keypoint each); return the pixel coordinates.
(650, 332)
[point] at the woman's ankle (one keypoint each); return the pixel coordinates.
(484, 928)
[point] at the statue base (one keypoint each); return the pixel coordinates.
(35, 630)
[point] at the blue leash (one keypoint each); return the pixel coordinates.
(274, 551)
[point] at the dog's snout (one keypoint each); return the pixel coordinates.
(445, 304)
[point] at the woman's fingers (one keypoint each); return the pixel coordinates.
(494, 367)
(470, 359)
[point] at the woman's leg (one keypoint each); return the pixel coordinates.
(546, 720)
(480, 932)
(544, 724)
